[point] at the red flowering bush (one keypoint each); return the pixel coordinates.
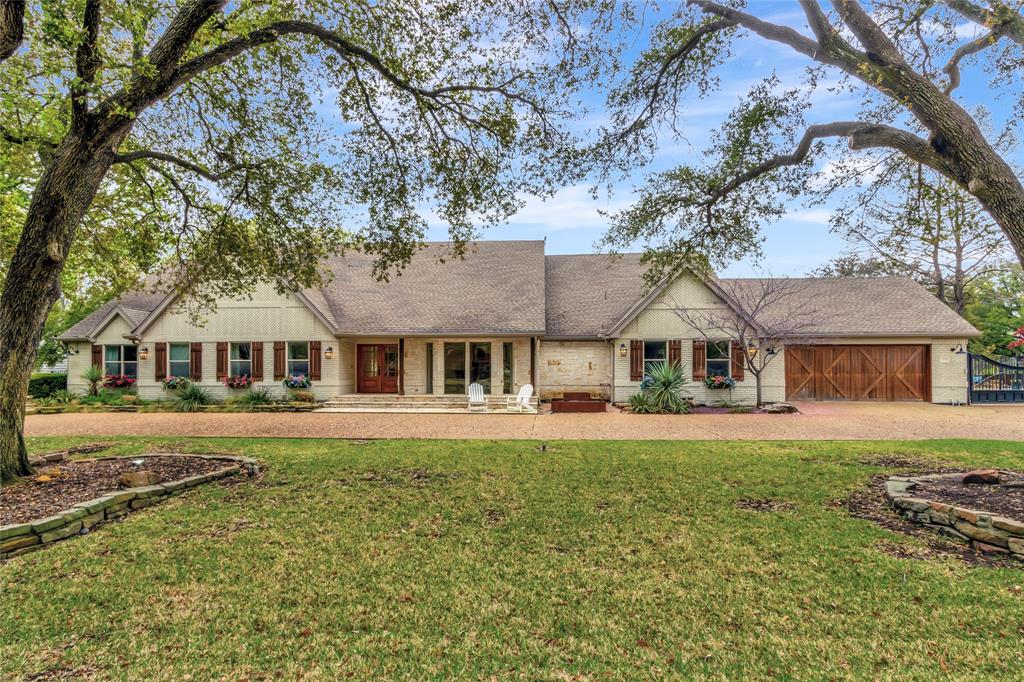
(118, 381)
(1018, 339)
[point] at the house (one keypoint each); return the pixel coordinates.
(508, 314)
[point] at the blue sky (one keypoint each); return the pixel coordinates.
(796, 244)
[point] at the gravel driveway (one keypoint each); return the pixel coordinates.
(819, 421)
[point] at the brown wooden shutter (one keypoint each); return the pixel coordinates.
(222, 359)
(700, 359)
(636, 360)
(279, 363)
(196, 362)
(257, 361)
(314, 360)
(675, 352)
(737, 361)
(97, 356)
(160, 358)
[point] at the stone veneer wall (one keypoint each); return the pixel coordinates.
(21, 538)
(987, 532)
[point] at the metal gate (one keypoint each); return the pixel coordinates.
(993, 381)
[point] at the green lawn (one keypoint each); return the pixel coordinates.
(590, 560)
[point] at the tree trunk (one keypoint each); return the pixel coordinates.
(757, 389)
(63, 194)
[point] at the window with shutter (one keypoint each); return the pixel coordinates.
(196, 362)
(160, 361)
(675, 352)
(257, 361)
(699, 359)
(636, 360)
(737, 361)
(314, 360)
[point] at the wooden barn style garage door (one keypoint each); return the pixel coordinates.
(883, 373)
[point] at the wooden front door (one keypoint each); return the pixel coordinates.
(868, 372)
(377, 367)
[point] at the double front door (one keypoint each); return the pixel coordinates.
(377, 367)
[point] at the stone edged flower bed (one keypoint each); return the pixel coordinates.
(986, 532)
(20, 538)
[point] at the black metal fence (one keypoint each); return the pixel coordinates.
(995, 381)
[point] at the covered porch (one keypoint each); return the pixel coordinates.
(433, 371)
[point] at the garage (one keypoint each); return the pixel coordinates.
(883, 373)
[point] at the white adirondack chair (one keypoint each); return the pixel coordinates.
(477, 399)
(521, 402)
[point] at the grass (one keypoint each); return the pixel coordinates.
(584, 560)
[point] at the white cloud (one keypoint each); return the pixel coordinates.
(819, 216)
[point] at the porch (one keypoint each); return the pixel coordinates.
(423, 404)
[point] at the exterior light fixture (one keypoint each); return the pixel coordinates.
(144, 353)
(958, 349)
(751, 349)
(622, 350)
(329, 353)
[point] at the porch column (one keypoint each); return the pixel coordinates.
(534, 352)
(401, 366)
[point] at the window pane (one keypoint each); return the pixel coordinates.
(130, 353)
(179, 352)
(298, 350)
(297, 367)
(429, 366)
(239, 351)
(131, 369)
(455, 368)
(112, 353)
(391, 361)
(718, 368)
(480, 365)
(718, 350)
(655, 350)
(112, 368)
(240, 368)
(506, 368)
(179, 369)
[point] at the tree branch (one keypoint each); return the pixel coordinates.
(1001, 16)
(87, 62)
(878, 45)
(952, 68)
(861, 135)
(129, 157)
(12, 26)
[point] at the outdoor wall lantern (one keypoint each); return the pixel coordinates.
(751, 349)
(622, 350)
(144, 353)
(329, 353)
(958, 349)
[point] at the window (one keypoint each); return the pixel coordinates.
(506, 368)
(298, 358)
(121, 360)
(429, 366)
(241, 360)
(655, 353)
(718, 358)
(178, 360)
(455, 368)
(480, 365)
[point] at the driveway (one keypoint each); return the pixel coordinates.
(818, 421)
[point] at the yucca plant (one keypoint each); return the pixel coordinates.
(192, 398)
(640, 403)
(63, 396)
(93, 376)
(255, 396)
(666, 388)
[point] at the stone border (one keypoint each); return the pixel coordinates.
(21, 538)
(984, 531)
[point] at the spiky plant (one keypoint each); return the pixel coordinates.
(94, 376)
(667, 388)
(192, 399)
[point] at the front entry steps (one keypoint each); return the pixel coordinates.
(424, 404)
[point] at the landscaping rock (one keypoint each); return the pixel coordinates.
(138, 479)
(61, 533)
(981, 477)
(17, 543)
(779, 408)
(1011, 526)
(96, 504)
(1016, 545)
(989, 537)
(48, 523)
(149, 491)
(989, 549)
(14, 530)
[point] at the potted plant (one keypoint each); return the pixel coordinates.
(297, 382)
(173, 383)
(240, 381)
(717, 381)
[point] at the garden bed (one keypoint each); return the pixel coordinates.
(68, 497)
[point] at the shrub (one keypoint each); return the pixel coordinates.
(303, 396)
(43, 385)
(63, 396)
(254, 396)
(93, 376)
(640, 403)
(192, 398)
(667, 389)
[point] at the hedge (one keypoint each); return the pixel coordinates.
(43, 385)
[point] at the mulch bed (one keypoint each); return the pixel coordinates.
(84, 480)
(1005, 498)
(766, 505)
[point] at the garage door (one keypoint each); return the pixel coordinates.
(883, 373)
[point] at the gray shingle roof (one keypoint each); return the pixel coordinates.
(511, 287)
(588, 294)
(497, 288)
